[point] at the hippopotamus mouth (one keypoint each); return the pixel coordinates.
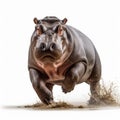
(47, 56)
(50, 57)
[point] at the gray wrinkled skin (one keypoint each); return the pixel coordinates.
(60, 54)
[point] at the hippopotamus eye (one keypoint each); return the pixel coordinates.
(60, 30)
(39, 30)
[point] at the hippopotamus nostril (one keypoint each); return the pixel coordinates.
(42, 46)
(52, 46)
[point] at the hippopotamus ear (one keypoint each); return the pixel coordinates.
(36, 21)
(64, 21)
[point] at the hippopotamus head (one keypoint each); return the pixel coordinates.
(50, 39)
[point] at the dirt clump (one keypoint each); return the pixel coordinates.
(107, 94)
(55, 105)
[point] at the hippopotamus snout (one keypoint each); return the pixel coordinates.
(48, 46)
(47, 50)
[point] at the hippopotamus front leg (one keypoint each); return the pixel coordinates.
(73, 76)
(43, 90)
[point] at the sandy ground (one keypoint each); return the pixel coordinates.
(62, 106)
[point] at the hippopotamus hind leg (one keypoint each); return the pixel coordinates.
(94, 81)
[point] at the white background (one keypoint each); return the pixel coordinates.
(98, 19)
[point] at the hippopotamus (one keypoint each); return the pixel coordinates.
(60, 54)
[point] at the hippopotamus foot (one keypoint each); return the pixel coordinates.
(94, 100)
(43, 90)
(95, 93)
(68, 85)
(45, 94)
